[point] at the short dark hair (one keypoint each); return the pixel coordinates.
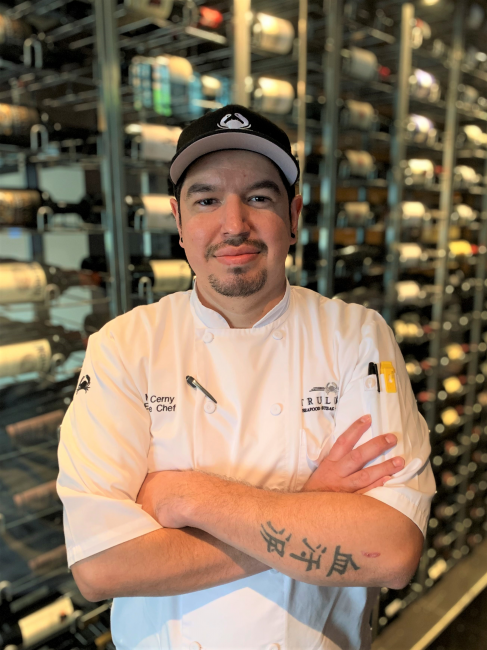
(175, 189)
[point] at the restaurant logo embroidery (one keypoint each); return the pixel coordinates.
(325, 402)
(84, 384)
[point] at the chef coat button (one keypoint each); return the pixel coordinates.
(194, 646)
(276, 409)
(278, 335)
(274, 646)
(208, 337)
(209, 406)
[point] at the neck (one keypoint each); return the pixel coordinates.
(242, 313)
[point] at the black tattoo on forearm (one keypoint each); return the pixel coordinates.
(273, 542)
(276, 542)
(309, 560)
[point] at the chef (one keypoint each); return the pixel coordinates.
(245, 465)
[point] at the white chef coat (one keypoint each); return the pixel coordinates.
(286, 389)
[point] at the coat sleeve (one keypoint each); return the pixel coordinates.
(394, 410)
(104, 443)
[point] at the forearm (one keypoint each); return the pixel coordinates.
(163, 563)
(329, 539)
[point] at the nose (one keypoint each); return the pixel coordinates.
(234, 216)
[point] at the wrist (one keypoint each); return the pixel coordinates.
(201, 495)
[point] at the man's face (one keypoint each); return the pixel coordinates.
(235, 222)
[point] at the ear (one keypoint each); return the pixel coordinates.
(174, 210)
(296, 207)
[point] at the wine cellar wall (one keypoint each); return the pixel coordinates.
(385, 104)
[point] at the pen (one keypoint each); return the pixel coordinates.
(373, 371)
(195, 384)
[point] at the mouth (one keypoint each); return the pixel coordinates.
(236, 255)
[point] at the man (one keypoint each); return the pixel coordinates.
(279, 539)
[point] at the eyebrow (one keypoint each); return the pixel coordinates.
(267, 184)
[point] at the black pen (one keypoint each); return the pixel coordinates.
(195, 384)
(373, 371)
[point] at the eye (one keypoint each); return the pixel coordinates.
(260, 199)
(205, 202)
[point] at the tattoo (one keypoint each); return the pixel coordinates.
(273, 543)
(310, 560)
(276, 542)
(341, 562)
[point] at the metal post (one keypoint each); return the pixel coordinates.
(242, 81)
(301, 92)
(398, 155)
(446, 199)
(328, 166)
(110, 125)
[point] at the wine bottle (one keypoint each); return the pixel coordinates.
(274, 96)
(20, 207)
(357, 164)
(165, 276)
(37, 429)
(362, 65)
(177, 12)
(358, 115)
(151, 141)
(16, 123)
(421, 130)
(422, 85)
(52, 346)
(37, 498)
(30, 281)
(272, 34)
(48, 561)
(35, 627)
(12, 36)
(151, 212)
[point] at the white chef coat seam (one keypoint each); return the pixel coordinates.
(414, 509)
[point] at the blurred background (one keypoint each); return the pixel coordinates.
(385, 103)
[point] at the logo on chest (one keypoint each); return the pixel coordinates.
(325, 398)
(159, 403)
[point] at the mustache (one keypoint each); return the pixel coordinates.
(236, 241)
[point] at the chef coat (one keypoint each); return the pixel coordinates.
(285, 388)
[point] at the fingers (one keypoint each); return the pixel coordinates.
(378, 483)
(368, 477)
(361, 455)
(347, 441)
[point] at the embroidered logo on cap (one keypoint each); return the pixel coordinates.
(234, 121)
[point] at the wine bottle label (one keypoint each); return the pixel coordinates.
(35, 429)
(360, 163)
(170, 275)
(18, 207)
(273, 34)
(274, 96)
(17, 120)
(35, 626)
(361, 115)
(22, 282)
(32, 356)
(159, 142)
(37, 498)
(153, 8)
(362, 64)
(158, 214)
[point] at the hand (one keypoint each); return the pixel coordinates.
(342, 470)
(165, 495)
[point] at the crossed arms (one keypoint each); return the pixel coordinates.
(218, 530)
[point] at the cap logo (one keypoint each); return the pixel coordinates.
(234, 121)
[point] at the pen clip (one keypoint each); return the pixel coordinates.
(195, 384)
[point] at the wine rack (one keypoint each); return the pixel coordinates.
(386, 108)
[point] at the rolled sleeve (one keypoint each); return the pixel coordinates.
(411, 490)
(104, 443)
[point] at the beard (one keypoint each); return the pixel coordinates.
(239, 286)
